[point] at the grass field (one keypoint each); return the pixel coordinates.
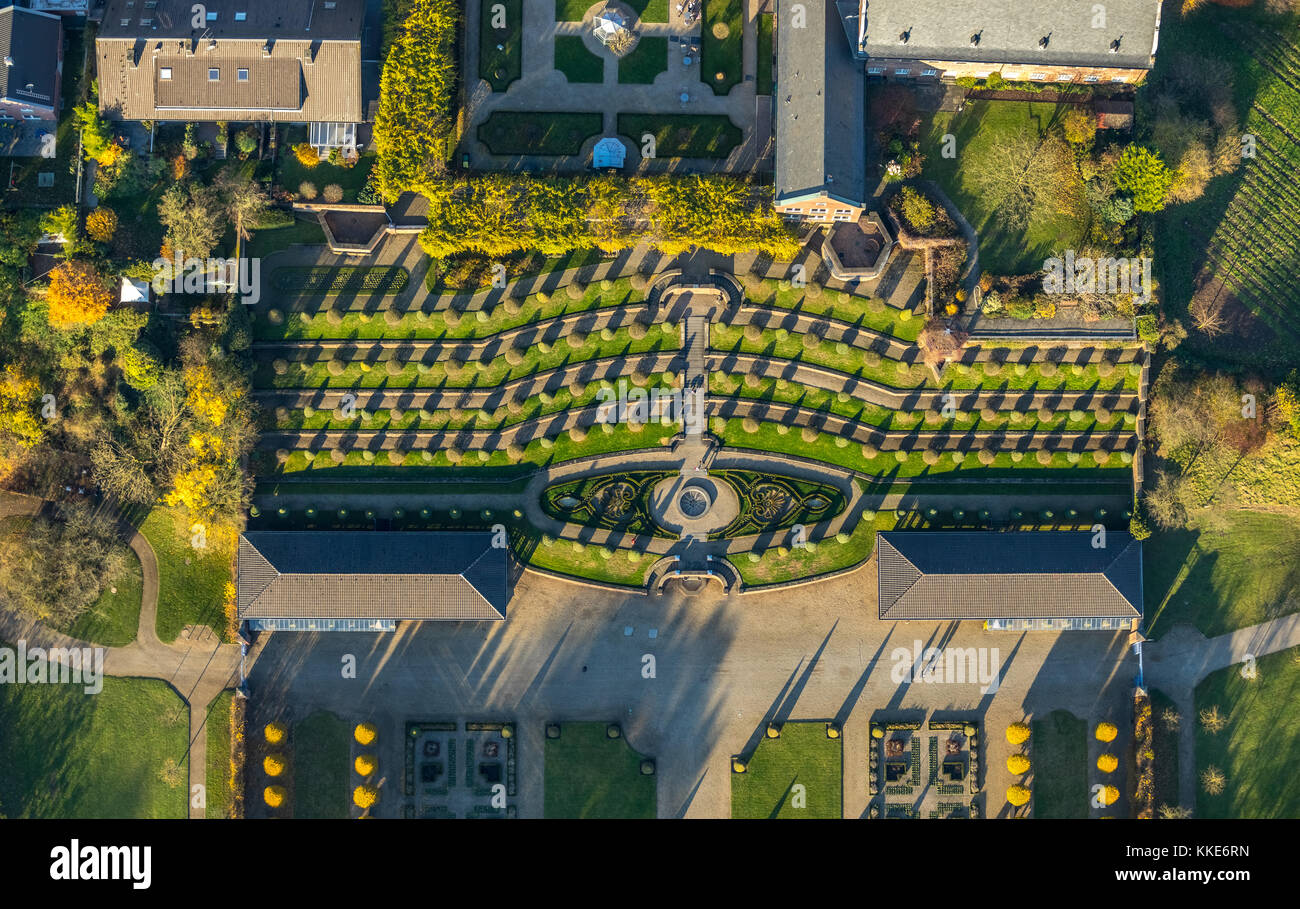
(191, 582)
(1237, 570)
(589, 775)
(555, 134)
(1165, 745)
(802, 757)
(981, 130)
(1256, 752)
(220, 797)
(684, 135)
(766, 57)
(66, 754)
(501, 67)
(647, 60)
(113, 619)
(578, 64)
(722, 44)
(321, 767)
(290, 173)
(1058, 747)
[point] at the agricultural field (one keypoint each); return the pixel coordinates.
(1237, 248)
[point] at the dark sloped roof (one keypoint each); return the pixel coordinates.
(262, 19)
(1010, 31)
(406, 575)
(820, 99)
(1023, 575)
(32, 41)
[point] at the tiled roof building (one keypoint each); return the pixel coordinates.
(368, 580)
(1047, 579)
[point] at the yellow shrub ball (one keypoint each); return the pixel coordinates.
(1107, 763)
(1017, 733)
(273, 764)
(1018, 795)
(273, 733)
(1018, 764)
(365, 733)
(364, 796)
(273, 796)
(1106, 732)
(365, 764)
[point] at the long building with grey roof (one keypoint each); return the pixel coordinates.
(1020, 40)
(820, 99)
(368, 580)
(1014, 580)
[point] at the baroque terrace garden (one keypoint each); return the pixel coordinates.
(822, 408)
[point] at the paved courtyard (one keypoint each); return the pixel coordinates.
(723, 667)
(546, 89)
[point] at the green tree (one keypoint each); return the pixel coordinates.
(1143, 175)
(194, 217)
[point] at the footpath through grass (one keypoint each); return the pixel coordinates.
(1234, 570)
(799, 775)
(117, 754)
(191, 581)
(590, 775)
(1256, 752)
(1058, 748)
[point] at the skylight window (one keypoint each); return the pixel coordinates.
(242, 74)
(165, 73)
(214, 75)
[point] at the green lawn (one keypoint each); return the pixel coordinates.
(501, 66)
(576, 62)
(648, 60)
(1256, 752)
(550, 134)
(113, 619)
(1058, 748)
(647, 10)
(274, 239)
(321, 767)
(290, 173)
(684, 135)
(982, 131)
(766, 57)
(220, 796)
(1237, 569)
(1165, 745)
(69, 755)
(802, 756)
(722, 56)
(191, 582)
(775, 566)
(589, 775)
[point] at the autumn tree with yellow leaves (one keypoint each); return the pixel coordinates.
(77, 295)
